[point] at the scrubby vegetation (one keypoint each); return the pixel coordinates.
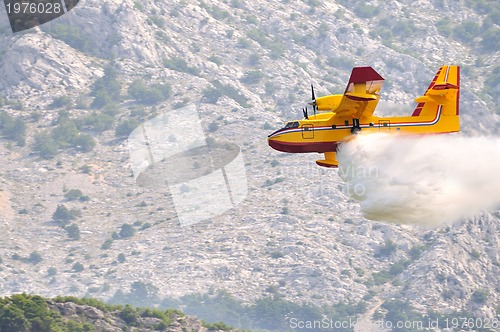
(179, 64)
(20, 313)
(126, 127)
(12, 128)
(218, 89)
(23, 313)
(80, 40)
(63, 216)
(272, 312)
(64, 135)
(145, 94)
(106, 89)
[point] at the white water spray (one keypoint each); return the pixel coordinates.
(425, 180)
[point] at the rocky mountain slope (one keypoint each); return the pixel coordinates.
(246, 66)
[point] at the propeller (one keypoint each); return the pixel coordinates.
(313, 102)
(304, 111)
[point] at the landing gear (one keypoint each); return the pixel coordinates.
(355, 127)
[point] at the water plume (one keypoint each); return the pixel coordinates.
(425, 180)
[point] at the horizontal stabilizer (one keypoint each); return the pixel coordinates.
(444, 86)
(360, 96)
(440, 100)
(443, 91)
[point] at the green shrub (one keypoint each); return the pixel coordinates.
(149, 95)
(213, 126)
(399, 311)
(83, 142)
(490, 39)
(63, 216)
(73, 194)
(126, 127)
(252, 77)
(156, 20)
(74, 37)
(77, 267)
(398, 267)
(387, 249)
(416, 252)
(475, 254)
(244, 43)
(219, 326)
(466, 31)
(380, 278)
(106, 89)
(61, 101)
(179, 64)
(34, 258)
(277, 254)
(444, 26)
(141, 294)
(73, 231)
(129, 314)
(145, 226)
(126, 230)
(107, 244)
(97, 122)
(65, 132)
(45, 146)
(366, 10)
(64, 135)
(12, 319)
(212, 94)
(480, 296)
(121, 258)
(12, 128)
(101, 99)
(215, 59)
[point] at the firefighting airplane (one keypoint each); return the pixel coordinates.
(345, 115)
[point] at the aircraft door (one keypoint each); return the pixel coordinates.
(308, 131)
(384, 125)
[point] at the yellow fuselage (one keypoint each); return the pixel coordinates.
(322, 132)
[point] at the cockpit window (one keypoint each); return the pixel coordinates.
(292, 124)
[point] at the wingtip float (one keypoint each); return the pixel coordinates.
(336, 118)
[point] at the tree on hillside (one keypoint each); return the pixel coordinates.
(45, 146)
(127, 230)
(12, 319)
(63, 216)
(106, 89)
(149, 94)
(73, 231)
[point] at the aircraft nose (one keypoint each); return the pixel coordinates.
(273, 143)
(280, 145)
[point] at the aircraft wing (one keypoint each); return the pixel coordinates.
(361, 94)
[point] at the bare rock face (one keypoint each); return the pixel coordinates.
(247, 67)
(36, 64)
(67, 308)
